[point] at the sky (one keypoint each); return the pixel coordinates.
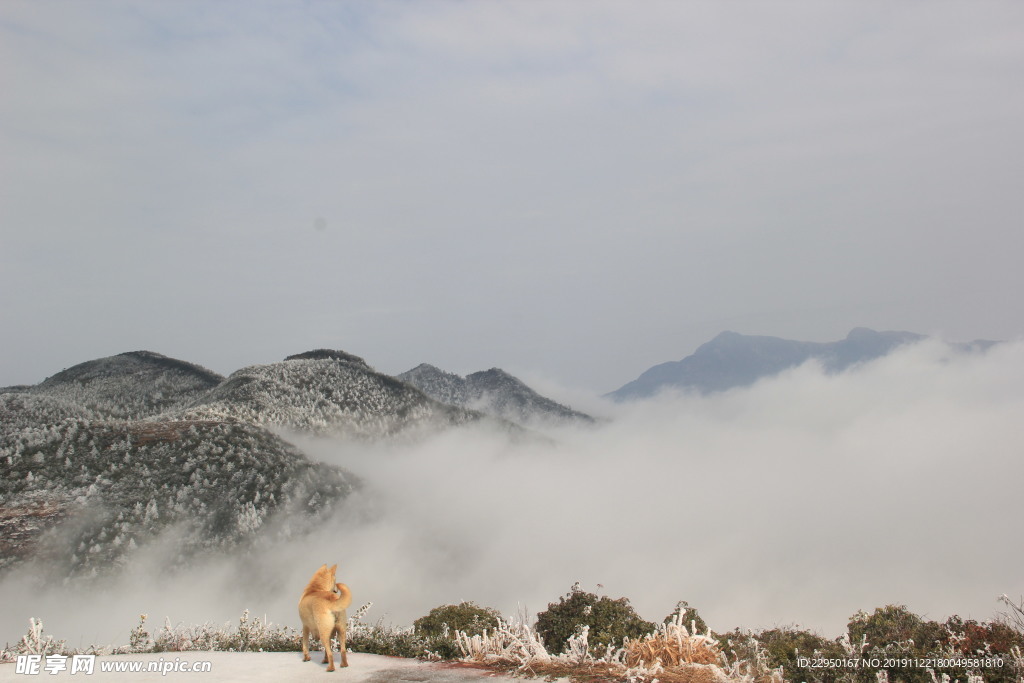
(568, 190)
(798, 501)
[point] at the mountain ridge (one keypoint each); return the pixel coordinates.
(731, 359)
(325, 394)
(494, 392)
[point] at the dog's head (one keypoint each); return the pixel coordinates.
(324, 578)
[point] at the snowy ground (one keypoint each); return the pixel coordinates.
(270, 666)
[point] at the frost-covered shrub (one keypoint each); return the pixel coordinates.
(892, 625)
(895, 633)
(35, 643)
(259, 635)
(688, 617)
(250, 635)
(467, 617)
(609, 621)
(748, 659)
(385, 639)
(891, 635)
(970, 637)
(139, 639)
(780, 649)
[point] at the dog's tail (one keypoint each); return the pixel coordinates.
(344, 595)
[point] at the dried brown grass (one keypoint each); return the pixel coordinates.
(692, 673)
(672, 645)
(614, 672)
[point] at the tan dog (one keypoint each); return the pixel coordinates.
(322, 610)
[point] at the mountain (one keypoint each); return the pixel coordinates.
(735, 360)
(102, 459)
(494, 392)
(325, 392)
(86, 494)
(98, 460)
(129, 385)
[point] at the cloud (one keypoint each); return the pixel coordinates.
(801, 499)
(598, 174)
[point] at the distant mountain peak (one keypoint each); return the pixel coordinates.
(733, 360)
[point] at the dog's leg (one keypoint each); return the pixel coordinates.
(342, 629)
(326, 630)
(305, 643)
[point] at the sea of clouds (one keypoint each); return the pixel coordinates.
(799, 500)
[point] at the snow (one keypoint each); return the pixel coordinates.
(280, 667)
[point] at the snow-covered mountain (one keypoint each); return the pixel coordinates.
(734, 360)
(129, 385)
(100, 458)
(325, 392)
(86, 494)
(494, 392)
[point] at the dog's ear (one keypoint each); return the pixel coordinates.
(334, 570)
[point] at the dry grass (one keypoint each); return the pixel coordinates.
(673, 646)
(693, 673)
(604, 672)
(617, 672)
(598, 671)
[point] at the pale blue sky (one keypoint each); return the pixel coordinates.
(574, 190)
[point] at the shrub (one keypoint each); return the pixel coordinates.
(896, 632)
(688, 617)
(968, 637)
(893, 627)
(393, 641)
(783, 647)
(610, 621)
(35, 643)
(255, 635)
(467, 617)
(381, 639)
